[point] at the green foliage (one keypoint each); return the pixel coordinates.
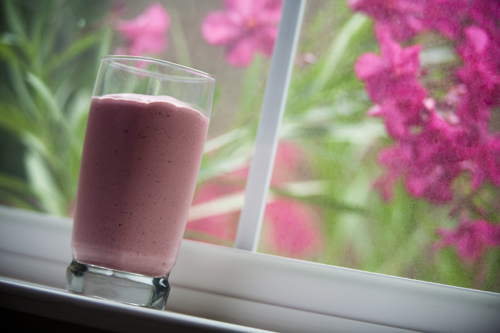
(49, 53)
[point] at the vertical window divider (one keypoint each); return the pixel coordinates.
(266, 142)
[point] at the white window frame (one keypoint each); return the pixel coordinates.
(238, 289)
(266, 142)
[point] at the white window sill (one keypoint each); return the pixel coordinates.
(224, 289)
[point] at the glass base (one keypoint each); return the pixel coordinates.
(130, 288)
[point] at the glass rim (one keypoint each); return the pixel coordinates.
(200, 75)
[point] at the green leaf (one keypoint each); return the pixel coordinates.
(234, 158)
(16, 185)
(32, 137)
(14, 200)
(105, 46)
(225, 139)
(78, 108)
(252, 91)
(54, 111)
(52, 160)
(15, 120)
(44, 184)
(338, 49)
(75, 49)
(20, 89)
(179, 39)
(47, 96)
(38, 25)
(9, 56)
(13, 18)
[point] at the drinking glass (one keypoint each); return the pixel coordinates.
(144, 142)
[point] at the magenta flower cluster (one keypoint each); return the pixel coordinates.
(437, 141)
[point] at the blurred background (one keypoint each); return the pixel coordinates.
(326, 202)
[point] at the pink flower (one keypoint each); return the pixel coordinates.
(245, 27)
(223, 226)
(146, 34)
(422, 177)
(396, 160)
(486, 14)
(292, 229)
(392, 81)
(484, 163)
(446, 16)
(393, 73)
(403, 18)
(480, 74)
(429, 160)
(470, 238)
(400, 116)
(288, 162)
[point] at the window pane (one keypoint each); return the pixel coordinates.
(389, 150)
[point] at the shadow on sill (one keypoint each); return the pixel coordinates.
(26, 322)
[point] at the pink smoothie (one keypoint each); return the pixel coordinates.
(139, 168)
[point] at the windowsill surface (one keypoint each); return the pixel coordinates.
(224, 289)
(34, 253)
(61, 306)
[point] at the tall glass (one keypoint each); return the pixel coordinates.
(143, 147)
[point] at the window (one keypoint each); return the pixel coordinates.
(279, 293)
(370, 171)
(358, 182)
